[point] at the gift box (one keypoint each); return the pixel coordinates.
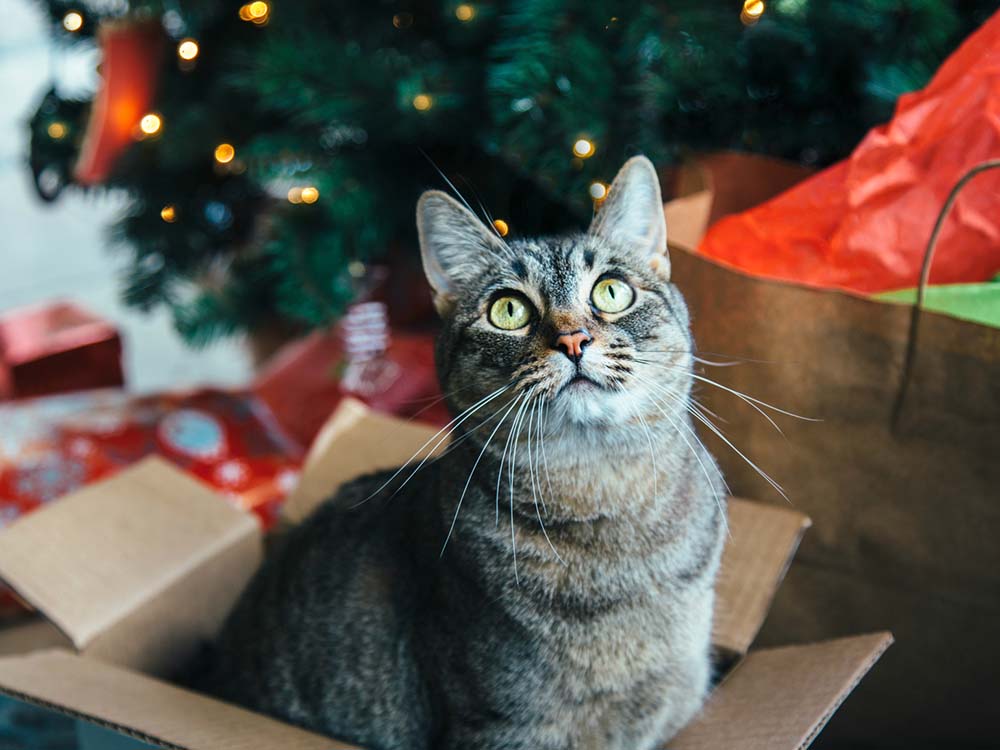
(55, 348)
(132, 596)
(304, 381)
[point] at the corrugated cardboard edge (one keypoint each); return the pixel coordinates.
(145, 708)
(239, 541)
(781, 698)
(760, 546)
(343, 450)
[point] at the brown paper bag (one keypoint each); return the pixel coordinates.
(905, 505)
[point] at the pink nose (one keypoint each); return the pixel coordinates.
(573, 344)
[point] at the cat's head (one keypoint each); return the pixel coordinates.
(589, 324)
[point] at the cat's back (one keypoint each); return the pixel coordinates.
(351, 573)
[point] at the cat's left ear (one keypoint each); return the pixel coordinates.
(455, 246)
(632, 214)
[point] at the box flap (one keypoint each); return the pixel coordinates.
(99, 556)
(355, 441)
(781, 698)
(31, 634)
(146, 708)
(760, 547)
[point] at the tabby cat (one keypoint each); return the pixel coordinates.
(548, 582)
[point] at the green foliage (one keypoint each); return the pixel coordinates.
(326, 94)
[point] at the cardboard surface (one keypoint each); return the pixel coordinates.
(354, 442)
(760, 547)
(147, 708)
(105, 563)
(781, 698)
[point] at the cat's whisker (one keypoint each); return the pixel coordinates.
(503, 457)
(447, 431)
(534, 487)
(718, 433)
(694, 452)
(479, 458)
(749, 400)
(516, 430)
(543, 415)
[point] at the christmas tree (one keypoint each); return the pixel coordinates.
(280, 146)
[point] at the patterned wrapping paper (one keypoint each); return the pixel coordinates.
(51, 446)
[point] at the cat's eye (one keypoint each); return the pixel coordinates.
(612, 295)
(510, 312)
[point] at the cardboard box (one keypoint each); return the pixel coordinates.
(132, 594)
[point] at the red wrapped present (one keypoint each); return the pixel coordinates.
(303, 383)
(57, 347)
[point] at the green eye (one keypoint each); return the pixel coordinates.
(509, 313)
(612, 295)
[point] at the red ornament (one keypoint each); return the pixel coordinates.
(131, 56)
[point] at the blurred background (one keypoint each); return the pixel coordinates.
(207, 240)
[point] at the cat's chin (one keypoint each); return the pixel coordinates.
(584, 402)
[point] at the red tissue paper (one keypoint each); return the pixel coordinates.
(863, 224)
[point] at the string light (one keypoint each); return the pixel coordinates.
(73, 21)
(583, 148)
(402, 20)
(151, 123)
(422, 102)
(188, 49)
(56, 131)
(752, 11)
(465, 12)
(310, 194)
(501, 227)
(598, 190)
(257, 12)
(224, 153)
(169, 213)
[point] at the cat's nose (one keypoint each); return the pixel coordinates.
(572, 344)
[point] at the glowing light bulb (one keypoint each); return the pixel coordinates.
(598, 190)
(310, 194)
(583, 148)
(56, 131)
(295, 195)
(501, 227)
(752, 11)
(422, 102)
(257, 12)
(224, 153)
(188, 49)
(169, 213)
(465, 12)
(73, 21)
(151, 123)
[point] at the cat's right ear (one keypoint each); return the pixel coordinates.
(455, 246)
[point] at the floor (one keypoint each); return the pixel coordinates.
(58, 251)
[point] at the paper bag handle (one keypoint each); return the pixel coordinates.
(925, 272)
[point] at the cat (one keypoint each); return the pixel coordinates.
(548, 582)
